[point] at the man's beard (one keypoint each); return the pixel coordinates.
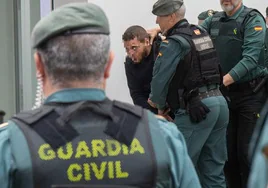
(229, 8)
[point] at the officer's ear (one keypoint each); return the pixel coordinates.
(147, 41)
(40, 70)
(109, 65)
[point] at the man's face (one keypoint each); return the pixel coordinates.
(229, 5)
(164, 23)
(136, 50)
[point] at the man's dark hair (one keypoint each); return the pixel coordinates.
(135, 31)
(267, 11)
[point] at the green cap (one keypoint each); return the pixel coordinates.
(166, 7)
(206, 14)
(73, 18)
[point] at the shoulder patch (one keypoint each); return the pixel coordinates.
(258, 28)
(197, 32)
(3, 125)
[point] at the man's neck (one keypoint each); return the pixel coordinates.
(148, 50)
(231, 13)
(50, 89)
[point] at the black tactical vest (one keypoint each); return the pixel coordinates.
(228, 37)
(198, 68)
(111, 149)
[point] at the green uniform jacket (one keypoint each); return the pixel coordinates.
(171, 52)
(168, 142)
(252, 45)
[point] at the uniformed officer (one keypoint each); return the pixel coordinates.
(204, 15)
(139, 64)
(186, 78)
(238, 34)
(79, 138)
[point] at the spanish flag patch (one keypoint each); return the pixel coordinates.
(258, 28)
(197, 32)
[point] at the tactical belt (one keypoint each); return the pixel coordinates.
(209, 93)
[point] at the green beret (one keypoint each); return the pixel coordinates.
(166, 7)
(206, 14)
(73, 18)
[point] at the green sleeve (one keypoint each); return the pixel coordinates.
(254, 36)
(206, 23)
(182, 169)
(170, 53)
(6, 159)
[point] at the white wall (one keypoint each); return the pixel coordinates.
(124, 13)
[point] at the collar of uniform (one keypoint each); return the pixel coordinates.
(77, 94)
(178, 24)
(237, 13)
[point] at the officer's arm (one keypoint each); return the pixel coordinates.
(5, 157)
(254, 36)
(170, 53)
(206, 23)
(135, 89)
(181, 166)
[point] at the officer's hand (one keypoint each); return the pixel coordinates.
(197, 110)
(151, 103)
(227, 80)
(153, 33)
(164, 113)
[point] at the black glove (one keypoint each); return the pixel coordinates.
(197, 110)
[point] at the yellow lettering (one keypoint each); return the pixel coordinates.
(46, 153)
(118, 169)
(82, 149)
(125, 149)
(113, 147)
(110, 170)
(68, 154)
(136, 147)
(70, 173)
(98, 147)
(99, 173)
(87, 172)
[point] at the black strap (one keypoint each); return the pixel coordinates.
(124, 127)
(51, 121)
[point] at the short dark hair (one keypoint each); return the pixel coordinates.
(267, 11)
(135, 31)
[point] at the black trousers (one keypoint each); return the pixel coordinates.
(244, 108)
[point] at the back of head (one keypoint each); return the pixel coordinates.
(267, 12)
(73, 43)
(135, 31)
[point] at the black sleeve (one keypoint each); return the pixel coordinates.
(135, 88)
